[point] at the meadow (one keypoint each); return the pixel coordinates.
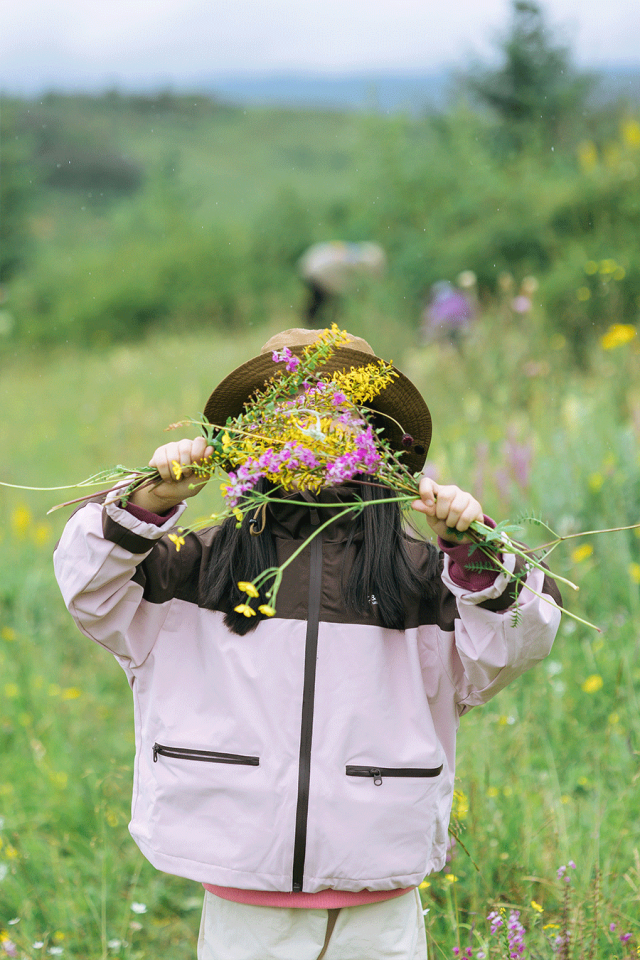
(547, 771)
(537, 412)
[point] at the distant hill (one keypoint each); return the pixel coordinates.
(384, 93)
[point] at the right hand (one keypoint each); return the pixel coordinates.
(171, 491)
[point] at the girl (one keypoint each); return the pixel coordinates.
(300, 766)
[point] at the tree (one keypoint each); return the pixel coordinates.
(536, 88)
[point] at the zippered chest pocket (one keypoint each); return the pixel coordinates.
(207, 756)
(379, 773)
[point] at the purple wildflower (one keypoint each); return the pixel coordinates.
(285, 356)
(625, 937)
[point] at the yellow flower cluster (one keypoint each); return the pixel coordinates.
(360, 385)
(618, 335)
(247, 587)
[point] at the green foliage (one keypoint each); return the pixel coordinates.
(226, 201)
(16, 193)
(535, 92)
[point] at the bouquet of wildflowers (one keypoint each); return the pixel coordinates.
(305, 430)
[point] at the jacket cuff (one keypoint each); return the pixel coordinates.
(148, 517)
(133, 533)
(466, 577)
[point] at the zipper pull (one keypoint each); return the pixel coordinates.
(155, 753)
(377, 776)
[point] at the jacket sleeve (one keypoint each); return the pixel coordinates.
(496, 636)
(95, 562)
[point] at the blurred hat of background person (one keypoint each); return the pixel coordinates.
(449, 312)
(330, 269)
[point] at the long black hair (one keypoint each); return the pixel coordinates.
(382, 567)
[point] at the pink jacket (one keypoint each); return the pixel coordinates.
(313, 753)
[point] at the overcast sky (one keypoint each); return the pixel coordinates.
(64, 43)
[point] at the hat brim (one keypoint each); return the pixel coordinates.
(400, 400)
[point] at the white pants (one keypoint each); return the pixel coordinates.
(388, 930)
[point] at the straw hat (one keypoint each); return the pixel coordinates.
(400, 399)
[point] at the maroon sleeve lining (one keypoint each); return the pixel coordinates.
(147, 516)
(467, 578)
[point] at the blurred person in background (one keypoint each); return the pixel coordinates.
(331, 269)
(450, 311)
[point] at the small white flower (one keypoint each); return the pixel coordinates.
(139, 907)
(4, 870)
(14, 921)
(38, 944)
(56, 951)
(114, 944)
(553, 668)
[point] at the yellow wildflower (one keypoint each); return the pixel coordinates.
(595, 481)
(71, 693)
(593, 683)
(246, 587)
(237, 512)
(42, 534)
(177, 540)
(634, 572)
(587, 155)
(631, 133)
(460, 805)
(582, 552)
(607, 266)
(267, 610)
(21, 521)
(245, 609)
(362, 384)
(617, 335)
(424, 885)
(537, 907)
(451, 877)
(493, 792)
(177, 469)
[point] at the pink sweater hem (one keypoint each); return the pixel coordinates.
(324, 900)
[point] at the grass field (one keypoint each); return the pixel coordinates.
(547, 772)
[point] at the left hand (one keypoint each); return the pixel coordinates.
(447, 507)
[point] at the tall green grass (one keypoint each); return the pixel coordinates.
(547, 772)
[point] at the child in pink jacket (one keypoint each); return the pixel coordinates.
(300, 766)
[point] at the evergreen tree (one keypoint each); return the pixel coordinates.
(535, 91)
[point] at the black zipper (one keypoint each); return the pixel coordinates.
(379, 772)
(209, 756)
(306, 725)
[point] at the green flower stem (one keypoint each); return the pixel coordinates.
(277, 572)
(511, 547)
